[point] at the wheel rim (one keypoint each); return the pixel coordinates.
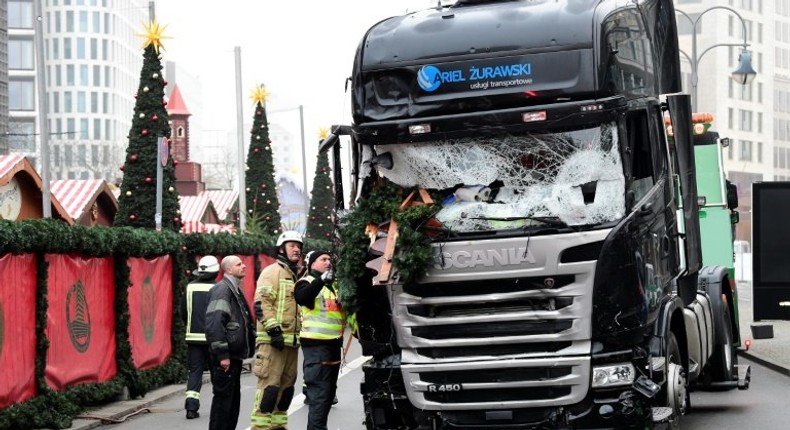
(677, 389)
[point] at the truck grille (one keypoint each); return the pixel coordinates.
(456, 324)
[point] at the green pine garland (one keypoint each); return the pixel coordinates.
(413, 247)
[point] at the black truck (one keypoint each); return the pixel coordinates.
(550, 273)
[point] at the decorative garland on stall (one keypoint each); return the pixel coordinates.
(57, 409)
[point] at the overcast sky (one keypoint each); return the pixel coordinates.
(301, 50)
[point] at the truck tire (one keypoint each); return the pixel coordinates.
(724, 359)
(677, 393)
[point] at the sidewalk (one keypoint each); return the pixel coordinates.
(772, 353)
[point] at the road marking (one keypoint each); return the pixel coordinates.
(298, 401)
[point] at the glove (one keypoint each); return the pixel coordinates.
(278, 341)
(328, 276)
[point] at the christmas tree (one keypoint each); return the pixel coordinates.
(322, 199)
(137, 201)
(262, 202)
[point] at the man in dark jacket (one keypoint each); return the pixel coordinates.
(231, 336)
(195, 304)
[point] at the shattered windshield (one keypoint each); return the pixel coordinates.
(494, 183)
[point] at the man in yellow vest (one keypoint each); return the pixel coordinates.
(323, 323)
(277, 340)
(194, 312)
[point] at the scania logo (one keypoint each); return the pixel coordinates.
(78, 317)
(148, 309)
(484, 257)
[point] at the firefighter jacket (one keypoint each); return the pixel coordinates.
(275, 305)
(230, 332)
(196, 303)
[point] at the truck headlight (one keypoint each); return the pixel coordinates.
(613, 375)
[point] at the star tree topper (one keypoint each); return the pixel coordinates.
(154, 33)
(259, 95)
(323, 132)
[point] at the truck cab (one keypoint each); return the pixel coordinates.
(530, 229)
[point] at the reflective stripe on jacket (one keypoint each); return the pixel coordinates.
(327, 319)
(275, 293)
(197, 297)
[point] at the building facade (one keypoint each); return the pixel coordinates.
(755, 117)
(92, 65)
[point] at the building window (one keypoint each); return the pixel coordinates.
(81, 102)
(180, 132)
(70, 21)
(83, 21)
(81, 154)
(71, 129)
(20, 54)
(21, 95)
(67, 48)
(759, 152)
(22, 135)
(97, 136)
(55, 102)
(67, 101)
(94, 49)
(94, 102)
(745, 150)
(81, 48)
(84, 75)
(20, 14)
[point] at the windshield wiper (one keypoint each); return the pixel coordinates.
(553, 221)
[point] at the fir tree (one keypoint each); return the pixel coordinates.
(322, 200)
(137, 201)
(262, 202)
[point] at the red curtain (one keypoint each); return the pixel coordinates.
(17, 328)
(150, 310)
(80, 320)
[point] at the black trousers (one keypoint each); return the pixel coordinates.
(198, 357)
(321, 367)
(227, 395)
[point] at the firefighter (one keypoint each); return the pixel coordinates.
(277, 341)
(194, 312)
(323, 324)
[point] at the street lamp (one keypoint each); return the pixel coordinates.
(743, 75)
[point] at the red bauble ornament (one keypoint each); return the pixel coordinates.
(268, 218)
(259, 113)
(132, 217)
(164, 83)
(135, 95)
(175, 162)
(133, 158)
(122, 167)
(176, 219)
(164, 103)
(183, 248)
(148, 180)
(144, 132)
(255, 150)
(155, 118)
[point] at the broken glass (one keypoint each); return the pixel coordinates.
(494, 183)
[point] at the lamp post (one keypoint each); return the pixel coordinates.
(743, 75)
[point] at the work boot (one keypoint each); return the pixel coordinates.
(192, 415)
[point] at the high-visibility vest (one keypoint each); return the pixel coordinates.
(197, 297)
(326, 320)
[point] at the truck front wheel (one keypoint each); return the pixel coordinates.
(677, 385)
